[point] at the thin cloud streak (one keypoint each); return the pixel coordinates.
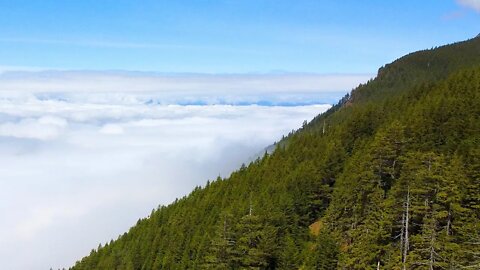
(472, 4)
(122, 45)
(93, 43)
(147, 82)
(157, 88)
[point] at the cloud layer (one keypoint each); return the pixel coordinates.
(85, 154)
(104, 166)
(155, 88)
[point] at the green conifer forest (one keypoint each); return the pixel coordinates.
(388, 178)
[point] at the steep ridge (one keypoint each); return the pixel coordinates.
(388, 178)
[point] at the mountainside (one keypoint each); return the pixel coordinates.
(389, 178)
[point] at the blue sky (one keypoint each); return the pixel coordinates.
(227, 36)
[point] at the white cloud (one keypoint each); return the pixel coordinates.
(473, 4)
(52, 120)
(131, 87)
(81, 166)
(105, 165)
(111, 129)
(43, 128)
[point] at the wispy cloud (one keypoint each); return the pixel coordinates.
(155, 88)
(454, 15)
(473, 4)
(117, 44)
(92, 43)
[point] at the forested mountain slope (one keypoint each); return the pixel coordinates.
(387, 179)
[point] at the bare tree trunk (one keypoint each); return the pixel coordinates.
(250, 208)
(406, 243)
(431, 262)
(393, 168)
(449, 223)
(402, 235)
(323, 129)
(225, 229)
(432, 259)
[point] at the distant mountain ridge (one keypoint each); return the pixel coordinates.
(389, 178)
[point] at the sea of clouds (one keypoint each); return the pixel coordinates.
(85, 154)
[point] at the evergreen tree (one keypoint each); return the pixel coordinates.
(392, 173)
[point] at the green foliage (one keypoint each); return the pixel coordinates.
(392, 174)
(325, 252)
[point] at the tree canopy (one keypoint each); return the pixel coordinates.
(390, 176)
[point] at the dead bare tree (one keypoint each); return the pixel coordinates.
(405, 223)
